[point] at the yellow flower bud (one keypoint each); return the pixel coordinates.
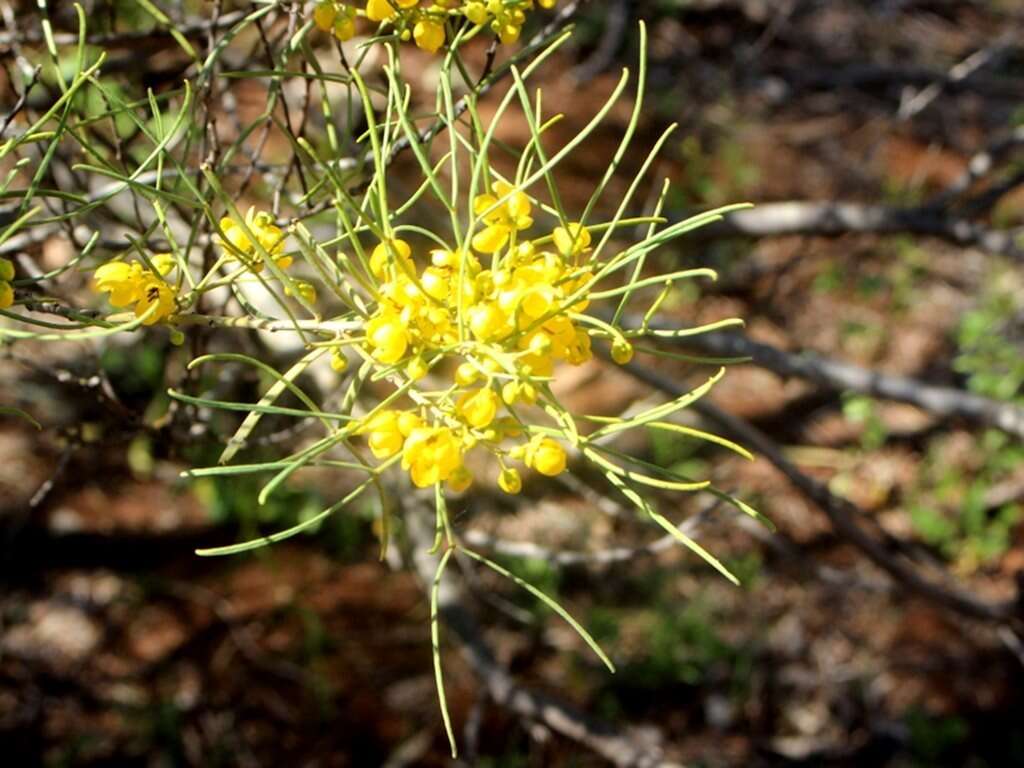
(442, 258)
(429, 34)
(416, 369)
(546, 456)
(305, 289)
(380, 10)
(323, 15)
(622, 351)
(345, 27)
(6, 269)
(6, 295)
(510, 481)
(385, 438)
(475, 12)
(510, 392)
(459, 480)
(408, 421)
(435, 282)
(338, 360)
(389, 337)
(466, 374)
(507, 33)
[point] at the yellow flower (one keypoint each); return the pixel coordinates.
(133, 284)
(391, 253)
(479, 408)
(572, 240)
(579, 351)
(503, 219)
(337, 18)
(157, 294)
(385, 438)
(121, 280)
(536, 300)
(486, 321)
(431, 455)
(546, 456)
(519, 392)
(510, 481)
(429, 34)
(389, 338)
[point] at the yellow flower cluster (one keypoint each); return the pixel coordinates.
(337, 18)
(132, 283)
(237, 243)
(426, 22)
(6, 289)
(501, 331)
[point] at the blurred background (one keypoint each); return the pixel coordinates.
(880, 277)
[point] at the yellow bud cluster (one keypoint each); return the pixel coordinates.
(337, 18)
(237, 243)
(131, 283)
(427, 23)
(6, 289)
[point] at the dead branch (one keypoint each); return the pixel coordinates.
(945, 402)
(837, 219)
(843, 515)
